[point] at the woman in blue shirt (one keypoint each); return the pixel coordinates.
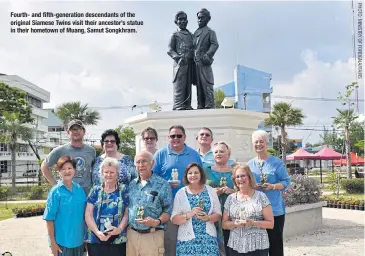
(106, 213)
(64, 212)
(271, 172)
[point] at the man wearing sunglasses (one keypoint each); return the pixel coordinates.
(205, 139)
(177, 155)
(83, 153)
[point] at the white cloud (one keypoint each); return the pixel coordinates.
(318, 80)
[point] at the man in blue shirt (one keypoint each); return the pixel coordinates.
(177, 155)
(153, 193)
(205, 139)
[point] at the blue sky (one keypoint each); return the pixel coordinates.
(306, 46)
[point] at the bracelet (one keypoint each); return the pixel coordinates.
(186, 216)
(273, 186)
(208, 218)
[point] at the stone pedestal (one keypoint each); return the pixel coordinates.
(234, 126)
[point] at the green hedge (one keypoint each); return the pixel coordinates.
(353, 186)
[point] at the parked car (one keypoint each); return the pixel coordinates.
(294, 168)
(30, 173)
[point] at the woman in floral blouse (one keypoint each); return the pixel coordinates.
(106, 213)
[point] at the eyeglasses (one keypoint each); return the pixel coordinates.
(173, 136)
(142, 162)
(109, 141)
(149, 138)
(241, 176)
(204, 134)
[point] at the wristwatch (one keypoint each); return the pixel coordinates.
(160, 222)
(273, 186)
(186, 216)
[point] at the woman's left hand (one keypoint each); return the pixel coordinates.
(250, 222)
(268, 186)
(203, 217)
(228, 190)
(116, 231)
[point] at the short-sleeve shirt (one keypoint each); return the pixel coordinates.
(66, 209)
(166, 159)
(252, 238)
(127, 170)
(276, 172)
(155, 196)
(208, 159)
(84, 157)
(108, 205)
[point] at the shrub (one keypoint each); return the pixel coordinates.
(353, 186)
(4, 193)
(36, 192)
(302, 190)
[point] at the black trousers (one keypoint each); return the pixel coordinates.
(276, 236)
(254, 253)
(106, 249)
(226, 238)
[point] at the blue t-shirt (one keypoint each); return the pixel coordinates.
(108, 205)
(166, 160)
(67, 208)
(276, 172)
(155, 197)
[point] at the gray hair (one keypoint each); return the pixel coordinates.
(109, 161)
(150, 156)
(260, 133)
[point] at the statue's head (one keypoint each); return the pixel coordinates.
(181, 20)
(203, 17)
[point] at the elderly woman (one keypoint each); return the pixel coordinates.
(247, 213)
(150, 138)
(106, 213)
(110, 142)
(196, 209)
(271, 172)
(219, 176)
(64, 212)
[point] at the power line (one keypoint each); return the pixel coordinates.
(248, 93)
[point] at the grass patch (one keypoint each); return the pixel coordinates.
(346, 196)
(6, 213)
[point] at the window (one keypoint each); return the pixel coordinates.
(23, 148)
(266, 98)
(3, 166)
(54, 140)
(35, 102)
(3, 147)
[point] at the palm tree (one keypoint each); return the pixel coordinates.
(283, 115)
(344, 120)
(75, 110)
(14, 128)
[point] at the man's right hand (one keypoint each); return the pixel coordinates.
(55, 248)
(101, 236)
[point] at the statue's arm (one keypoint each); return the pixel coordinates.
(172, 48)
(213, 44)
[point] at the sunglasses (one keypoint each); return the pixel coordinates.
(109, 141)
(204, 134)
(149, 138)
(173, 136)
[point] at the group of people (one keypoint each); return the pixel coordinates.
(170, 201)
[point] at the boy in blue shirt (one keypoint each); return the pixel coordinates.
(65, 211)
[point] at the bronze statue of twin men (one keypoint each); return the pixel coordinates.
(193, 57)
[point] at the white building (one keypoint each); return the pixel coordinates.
(26, 160)
(56, 131)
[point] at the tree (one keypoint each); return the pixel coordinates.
(75, 110)
(127, 141)
(13, 100)
(356, 135)
(283, 115)
(14, 129)
(331, 138)
(344, 120)
(218, 98)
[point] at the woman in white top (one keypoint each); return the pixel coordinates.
(247, 213)
(196, 209)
